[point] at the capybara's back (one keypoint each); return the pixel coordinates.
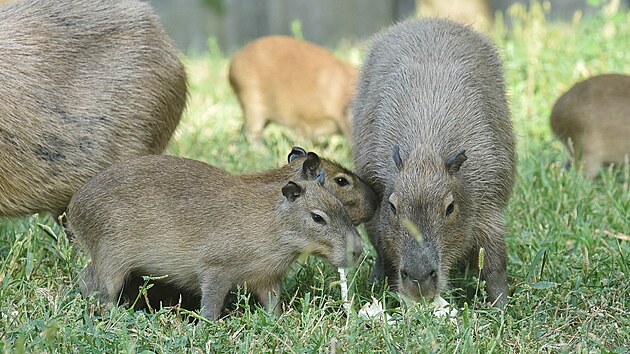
(83, 84)
(293, 83)
(593, 121)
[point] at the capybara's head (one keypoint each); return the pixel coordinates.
(326, 228)
(356, 196)
(426, 214)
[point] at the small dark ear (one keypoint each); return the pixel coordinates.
(455, 162)
(292, 191)
(310, 168)
(321, 177)
(397, 159)
(296, 152)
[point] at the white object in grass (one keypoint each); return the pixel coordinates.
(374, 311)
(442, 308)
(343, 282)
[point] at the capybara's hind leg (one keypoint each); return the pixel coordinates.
(89, 283)
(213, 292)
(114, 285)
(105, 285)
(255, 116)
(592, 164)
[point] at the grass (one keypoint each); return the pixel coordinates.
(569, 276)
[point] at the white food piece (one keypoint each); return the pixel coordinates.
(343, 282)
(442, 308)
(374, 311)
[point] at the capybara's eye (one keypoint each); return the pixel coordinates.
(318, 219)
(341, 181)
(392, 207)
(450, 208)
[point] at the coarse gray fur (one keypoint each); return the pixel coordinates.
(204, 228)
(83, 84)
(433, 137)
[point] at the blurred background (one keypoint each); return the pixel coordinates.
(330, 23)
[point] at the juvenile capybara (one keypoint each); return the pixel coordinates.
(593, 121)
(204, 228)
(433, 137)
(293, 83)
(356, 196)
(83, 84)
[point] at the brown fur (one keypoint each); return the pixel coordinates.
(593, 121)
(433, 137)
(294, 83)
(85, 83)
(356, 196)
(206, 229)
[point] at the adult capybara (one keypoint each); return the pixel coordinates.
(293, 83)
(204, 228)
(433, 137)
(593, 121)
(83, 84)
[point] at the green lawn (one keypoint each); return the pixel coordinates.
(568, 274)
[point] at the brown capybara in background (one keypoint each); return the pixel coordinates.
(204, 228)
(593, 121)
(477, 13)
(293, 83)
(433, 136)
(83, 84)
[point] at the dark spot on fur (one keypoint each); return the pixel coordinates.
(67, 117)
(48, 155)
(62, 20)
(86, 146)
(51, 149)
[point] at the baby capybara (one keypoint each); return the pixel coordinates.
(355, 195)
(204, 228)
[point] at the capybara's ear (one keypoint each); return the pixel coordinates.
(310, 168)
(454, 162)
(296, 152)
(292, 191)
(321, 177)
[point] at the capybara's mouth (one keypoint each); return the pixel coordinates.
(413, 291)
(338, 259)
